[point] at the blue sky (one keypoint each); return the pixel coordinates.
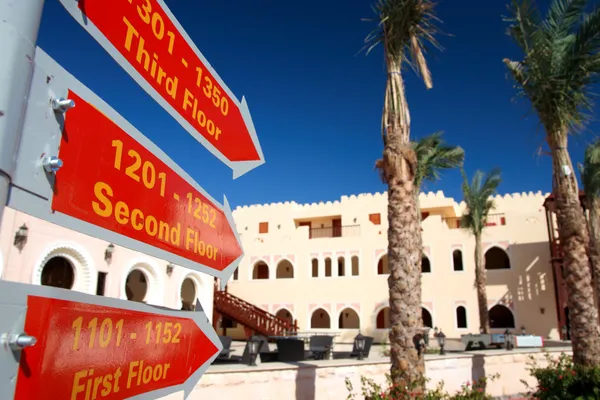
(316, 101)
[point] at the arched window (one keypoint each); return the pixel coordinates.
(285, 315)
(188, 295)
(285, 270)
(457, 260)
(382, 266)
(425, 265)
(320, 319)
(496, 258)
(341, 266)
(501, 317)
(315, 268)
(383, 319)
(461, 317)
(58, 272)
(260, 270)
(427, 319)
(349, 319)
(354, 265)
(328, 267)
(136, 286)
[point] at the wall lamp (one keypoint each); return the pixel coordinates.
(108, 253)
(170, 268)
(21, 237)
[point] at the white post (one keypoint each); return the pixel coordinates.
(19, 28)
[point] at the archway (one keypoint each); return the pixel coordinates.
(496, 258)
(328, 267)
(425, 265)
(260, 270)
(348, 319)
(144, 283)
(320, 319)
(383, 266)
(383, 319)
(427, 319)
(501, 317)
(315, 267)
(341, 266)
(136, 286)
(58, 272)
(285, 270)
(188, 295)
(285, 315)
(355, 265)
(461, 317)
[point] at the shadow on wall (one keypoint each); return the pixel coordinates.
(306, 377)
(530, 287)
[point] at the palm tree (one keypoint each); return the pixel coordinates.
(478, 195)
(561, 62)
(403, 27)
(590, 176)
(433, 155)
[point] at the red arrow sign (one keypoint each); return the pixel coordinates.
(110, 180)
(89, 352)
(149, 43)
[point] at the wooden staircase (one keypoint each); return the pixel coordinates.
(254, 319)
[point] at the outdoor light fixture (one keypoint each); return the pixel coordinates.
(360, 341)
(523, 331)
(108, 253)
(21, 237)
(508, 340)
(170, 268)
(253, 345)
(441, 339)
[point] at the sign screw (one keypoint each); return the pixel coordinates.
(21, 341)
(52, 164)
(62, 105)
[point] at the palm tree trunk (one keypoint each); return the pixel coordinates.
(480, 284)
(573, 234)
(594, 245)
(404, 250)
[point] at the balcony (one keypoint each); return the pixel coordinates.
(334, 232)
(492, 220)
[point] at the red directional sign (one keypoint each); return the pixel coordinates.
(152, 47)
(89, 352)
(110, 180)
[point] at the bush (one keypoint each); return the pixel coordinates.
(372, 391)
(561, 379)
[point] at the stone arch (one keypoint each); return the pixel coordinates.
(427, 317)
(198, 286)
(84, 270)
(501, 317)
(260, 270)
(461, 317)
(383, 267)
(496, 258)
(154, 281)
(382, 318)
(285, 269)
(285, 314)
(355, 263)
(349, 319)
(320, 319)
(425, 264)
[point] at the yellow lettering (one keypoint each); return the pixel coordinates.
(186, 99)
(130, 33)
(133, 372)
(99, 189)
(138, 226)
(78, 388)
(121, 212)
(107, 385)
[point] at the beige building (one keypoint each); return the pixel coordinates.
(325, 265)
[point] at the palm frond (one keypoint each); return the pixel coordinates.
(477, 196)
(590, 170)
(433, 156)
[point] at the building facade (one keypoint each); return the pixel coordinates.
(40, 253)
(325, 265)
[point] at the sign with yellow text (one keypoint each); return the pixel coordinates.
(150, 44)
(92, 347)
(114, 184)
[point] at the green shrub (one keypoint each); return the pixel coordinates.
(561, 379)
(372, 391)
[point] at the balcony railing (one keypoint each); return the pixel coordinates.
(492, 220)
(334, 231)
